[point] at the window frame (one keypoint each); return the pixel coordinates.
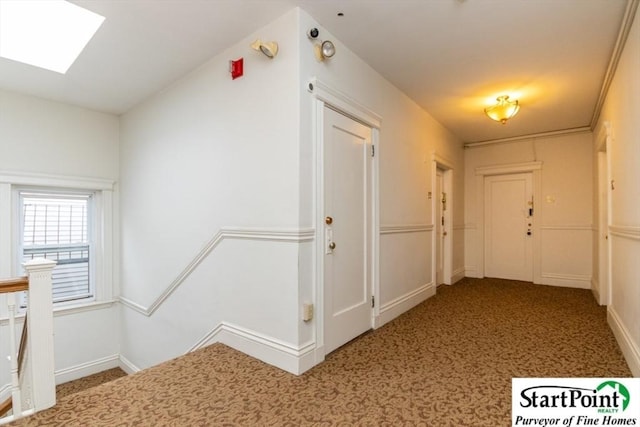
(92, 233)
(104, 224)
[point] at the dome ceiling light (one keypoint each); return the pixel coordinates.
(503, 110)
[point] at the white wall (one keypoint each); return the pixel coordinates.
(228, 166)
(217, 199)
(48, 137)
(622, 109)
(562, 214)
(43, 137)
(408, 139)
(218, 202)
(202, 161)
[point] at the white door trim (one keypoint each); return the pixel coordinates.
(481, 172)
(603, 291)
(342, 102)
(325, 95)
(446, 166)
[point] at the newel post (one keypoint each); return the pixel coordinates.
(40, 341)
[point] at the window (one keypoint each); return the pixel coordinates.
(57, 226)
(67, 219)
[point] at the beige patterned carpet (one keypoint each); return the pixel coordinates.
(76, 386)
(448, 362)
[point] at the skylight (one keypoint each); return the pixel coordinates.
(48, 34)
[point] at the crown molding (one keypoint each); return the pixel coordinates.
(530, 136)
(623, 35)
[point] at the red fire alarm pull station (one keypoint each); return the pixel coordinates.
(236, 68)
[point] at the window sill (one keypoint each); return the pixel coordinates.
(81, 307)
(68, 310)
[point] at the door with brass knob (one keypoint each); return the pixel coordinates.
(508, 226)
(347, 224)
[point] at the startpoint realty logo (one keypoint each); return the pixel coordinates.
(545, 402)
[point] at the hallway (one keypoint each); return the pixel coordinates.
(447, 362)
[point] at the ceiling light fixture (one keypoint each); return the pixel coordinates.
(270, 49)
(503, 110)
(48, 34)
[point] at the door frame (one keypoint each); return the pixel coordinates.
(481, 172)
(326, 96)
(603, 158)
(439, 162)
(490, 209)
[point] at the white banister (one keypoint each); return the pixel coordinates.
(40, 326)
(13, 355)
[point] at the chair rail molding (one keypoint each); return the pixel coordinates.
(568, 227)
(405, 228)
(237, 233)
(627, 232)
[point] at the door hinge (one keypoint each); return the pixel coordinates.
(373, 301)
(373, 150)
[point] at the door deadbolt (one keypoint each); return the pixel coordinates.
(328, 220)
(332, 245)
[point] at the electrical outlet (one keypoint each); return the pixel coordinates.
(307, 312)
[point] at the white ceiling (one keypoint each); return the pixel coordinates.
(450, 56)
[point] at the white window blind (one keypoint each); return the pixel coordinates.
(56, 227)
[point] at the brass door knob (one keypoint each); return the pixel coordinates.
(332, 245)
(328, 220)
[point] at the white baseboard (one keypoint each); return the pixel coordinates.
(128, 366)
(566, 280)
(73, 373)
(85, 369)
(10, 418)
(630, 349)
(594, 290)
(283, 355)
(396, 307)
(457, 275)
(270, 350)
(471, 271)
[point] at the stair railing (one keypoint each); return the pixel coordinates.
(31, 359)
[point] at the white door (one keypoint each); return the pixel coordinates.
(440, 230)
(509, 226)
(347, 225)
